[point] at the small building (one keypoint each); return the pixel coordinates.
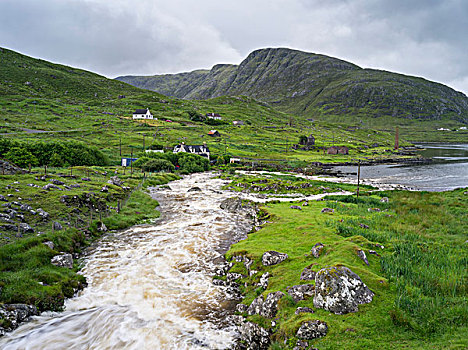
(214, 116)
(234, 160)
(238, 122)
(154, 150)
(338, 150)
(142, 114)
(214, 133)
(201, 150)
(127, 161)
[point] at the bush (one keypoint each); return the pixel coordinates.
(192, 163)
(158, 165)
(21, 157)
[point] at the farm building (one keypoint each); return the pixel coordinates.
(214, 133)
(338, 150)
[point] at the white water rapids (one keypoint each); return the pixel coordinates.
(150, 287)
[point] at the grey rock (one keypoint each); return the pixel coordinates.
(270, 305)
(25, 207)
(253, 336)
(364, 226)
(231, 277)
(114, 180)
(194, 189)
(362, 255)
(384, 200)
(256, 306)
(374, 252)
(312, 329)
(105, 189)
(301, 310)
(2, 198)
(57, 182)
(327, 210)
(14, 314)
(63, 260)
(295, 207)
(50, 244)
(272, 257)
(241, 308)
(264, 280)
(317, 249)
(301, 292)
(43, 214)
(25, 228)
(87, 179)
(370, 210)
(339, 290)
(48, 187)
(57, 226)
(307, 274)
(101, 227)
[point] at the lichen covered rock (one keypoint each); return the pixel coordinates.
(272, 257)
(339, 290)
(312, 329)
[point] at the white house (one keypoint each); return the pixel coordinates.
(195, 149)
(214, 116)
(142, 114)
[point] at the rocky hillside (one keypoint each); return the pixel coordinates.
(317, 86)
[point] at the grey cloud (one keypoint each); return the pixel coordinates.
(421, 37)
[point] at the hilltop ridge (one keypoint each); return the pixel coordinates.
(312, 84)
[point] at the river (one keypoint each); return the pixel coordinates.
(449, 170)
(150, 287)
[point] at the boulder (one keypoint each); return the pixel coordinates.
(295, 207)
(264, 280)
(301, 292)
(384, 200)
(339, 290)
(13, 314)
(270, 305)
(101, 227)
(317, 249)
(2, 198)
(362, 255)
(105, 189)
(57, 226)
(63, 260)
(272, 257)
(194, 189)
(25, 228)
(57, 182)
(312, 329)
(327, 210)
(114, 180)
(87, 179)
(266, 308)
(253, 337)
(307, 274)
(241, 308)
(48, 187)
(50, 244)
(43, 214)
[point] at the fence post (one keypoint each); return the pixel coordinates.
(358, 178)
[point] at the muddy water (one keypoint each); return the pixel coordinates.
(150, 286)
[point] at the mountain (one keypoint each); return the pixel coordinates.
(316, 85)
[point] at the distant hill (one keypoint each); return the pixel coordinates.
(315, 85)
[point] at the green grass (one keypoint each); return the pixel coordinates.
(419, 281)
(26, 274)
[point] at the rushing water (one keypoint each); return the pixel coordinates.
(449, 170)
(150, 286)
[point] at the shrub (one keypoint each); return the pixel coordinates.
(21, 157)
(158, 165)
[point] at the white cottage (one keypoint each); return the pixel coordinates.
(142, 114)
(194, 149)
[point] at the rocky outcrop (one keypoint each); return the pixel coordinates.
(301, 292)
(12, 315)
(251, 336)
(63, 260)
(339, 290)
(266, 308)
(312, 329)
(272, 257)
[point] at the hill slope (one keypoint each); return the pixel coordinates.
(316, 85)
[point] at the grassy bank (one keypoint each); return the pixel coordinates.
(419, 278)
(26, 273)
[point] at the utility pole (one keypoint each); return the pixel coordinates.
(358, 178)
(120, 145)
(131, 163)
(397, 137)
(144, 148)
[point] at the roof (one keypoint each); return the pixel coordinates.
(192, 148)
(141, 111)
(213, 132)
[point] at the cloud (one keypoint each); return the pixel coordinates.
(420, 37)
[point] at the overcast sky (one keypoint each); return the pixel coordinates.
(427, 38)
